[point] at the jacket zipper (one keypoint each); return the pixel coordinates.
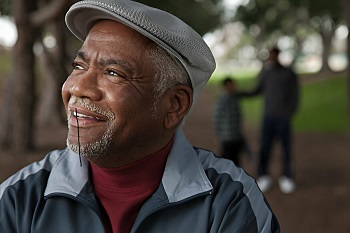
(162, 206)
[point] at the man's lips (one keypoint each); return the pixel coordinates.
(84, 117)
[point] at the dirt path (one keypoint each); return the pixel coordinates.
(321, 203)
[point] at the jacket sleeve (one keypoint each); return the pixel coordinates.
(239, 219)
(20, 195)
(258, 88)
(237, 204)
(7, 212)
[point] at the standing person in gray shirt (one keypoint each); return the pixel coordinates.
(279, 87)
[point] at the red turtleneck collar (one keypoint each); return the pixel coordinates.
(121, 191)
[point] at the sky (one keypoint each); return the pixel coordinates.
(8, 32)
(234, 3)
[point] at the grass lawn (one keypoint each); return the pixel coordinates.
(324, 106)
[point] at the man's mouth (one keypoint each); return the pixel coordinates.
(84, 116)
(83, 109)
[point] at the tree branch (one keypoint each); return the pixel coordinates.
(49, 12)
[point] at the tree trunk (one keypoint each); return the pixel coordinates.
(18, 102)
(327, 46)
(55, 73)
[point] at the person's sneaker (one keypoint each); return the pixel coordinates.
(264, 183)
(286, 185)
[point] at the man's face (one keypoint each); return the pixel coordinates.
(111, 90)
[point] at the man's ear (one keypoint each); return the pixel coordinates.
(179, 101)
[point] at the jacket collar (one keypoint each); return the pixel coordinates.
(67, 176)
(183, 175)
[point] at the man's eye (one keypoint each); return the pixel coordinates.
(112, 72)
(76, 66)
(115, 76)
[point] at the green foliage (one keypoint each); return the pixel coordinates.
(272, 19)
(321, 7)
(5, 7)
(267, 14)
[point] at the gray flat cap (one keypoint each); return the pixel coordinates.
(175, 36)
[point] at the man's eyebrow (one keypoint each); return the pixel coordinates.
(112, 61)
(81, 55)
(105, 62)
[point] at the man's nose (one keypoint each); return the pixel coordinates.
(86, 86)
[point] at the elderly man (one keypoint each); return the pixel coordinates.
(132, 84)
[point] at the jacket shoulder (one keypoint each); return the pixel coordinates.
(23, 192)
(35, 169)
(238, 191)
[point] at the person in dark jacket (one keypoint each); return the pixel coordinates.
(128, 166)
(279, 86)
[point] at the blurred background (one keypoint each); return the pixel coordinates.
(36, 51)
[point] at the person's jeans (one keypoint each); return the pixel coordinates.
(275, 128)
(232, 150)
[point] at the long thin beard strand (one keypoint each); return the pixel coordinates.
(76, 113)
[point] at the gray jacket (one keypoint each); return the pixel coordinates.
(198, 193)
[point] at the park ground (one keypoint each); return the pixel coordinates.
(321, 202)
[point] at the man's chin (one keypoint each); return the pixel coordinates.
(91, 146)
(92, 150)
